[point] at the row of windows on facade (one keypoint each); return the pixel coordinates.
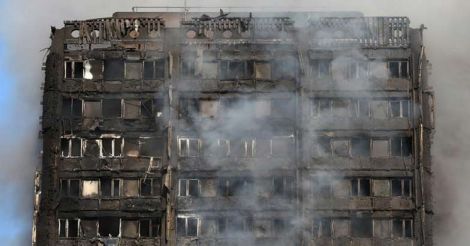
(359, 227)
(72, 147)
(380, 147)
(326, 68)
(119, 69)
(112, 108)
(110, 227)
(361, 108)
(284, 186)
(110, 187)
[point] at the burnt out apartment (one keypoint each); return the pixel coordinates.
(165, 128)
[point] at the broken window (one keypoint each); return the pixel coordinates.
(187, 226)
(155, 69)
(283, 186)
(189, 147)
(321, 68)
(401, 146)
(402, 228)
(111, 147)
(69, 228)
(361, 108)
(151, 147)
(286, 69)
(74, 70)
(379, 109)
(341, 228)
(235, 69)
(150, 187)
(149, 227)
(113, 69)
(398, 69)
(92, 148)
(381, 187)
(208, 108)
(234, 186)
(322, 147)
(380, 148)
(109, 226)
(361, 226)
(70, 187)
(188, 107)
(400, 108)
(340, 147)
(92, 109)
(263, 70)
(131, 147)
(152, 108)
(110, 187)
(360, 147)
(90, 188)
(360, 187)
(131, 109)
(71, 147)
(322, 227)
(321, 188)
(133, 70)
(281, 146)
(401, 187)
(111, 108)
(71, 107)
(189, 187)
(130, 187)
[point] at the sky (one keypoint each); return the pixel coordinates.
(27, 33)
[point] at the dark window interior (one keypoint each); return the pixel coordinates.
(106, 187)
(109, 226)
(361, 227)
(235, 69)
(181, 226)
(76, 147)
(150, 227)
(286, 68)
(62, 232)
(394, 69)
(111, 108)
(73, 228)
(365, 187)
(151, 147)
(192, 227)
(360, 147)
(74, 190)
(396, 146)
(150, 187)
(78, 71)
(395, 108)
(113, 69)
(193, 187)
(154, 69)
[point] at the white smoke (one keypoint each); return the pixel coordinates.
(26, 32)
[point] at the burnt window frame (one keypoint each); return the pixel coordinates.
(322, 227)
(403, 183)
(66, 191)
(152, 223)
(248, 67)
(185, 231)
(403, 223)
(230, 186)
(157, 74)
(72, 112)
(156, 109)
(67, 228)
(357, 190)
(119, 231)
(402, 65)
(404, 151)
(112, 187)
(359, 112)
(189, 153)
(155, 187)
(70, 142)
(186, 182)
(73, 66)
(114, 146)
(287, 187)
(361, 141)
(404, 108)
(358, 231)
(121, 109)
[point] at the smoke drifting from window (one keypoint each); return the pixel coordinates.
(27, 33)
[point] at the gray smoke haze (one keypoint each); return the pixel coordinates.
(26, 31)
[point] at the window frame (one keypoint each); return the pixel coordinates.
(186, 182)
(73, 67)
(113, 147)
(67, 226)
(186, 222)
(189, 153)
(69, 147)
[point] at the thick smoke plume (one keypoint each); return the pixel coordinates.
(26, 32)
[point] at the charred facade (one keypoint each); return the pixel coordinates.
(238, 129)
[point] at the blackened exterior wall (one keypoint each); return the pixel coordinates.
(246, 129)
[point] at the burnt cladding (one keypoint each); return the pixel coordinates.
(236, 129)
